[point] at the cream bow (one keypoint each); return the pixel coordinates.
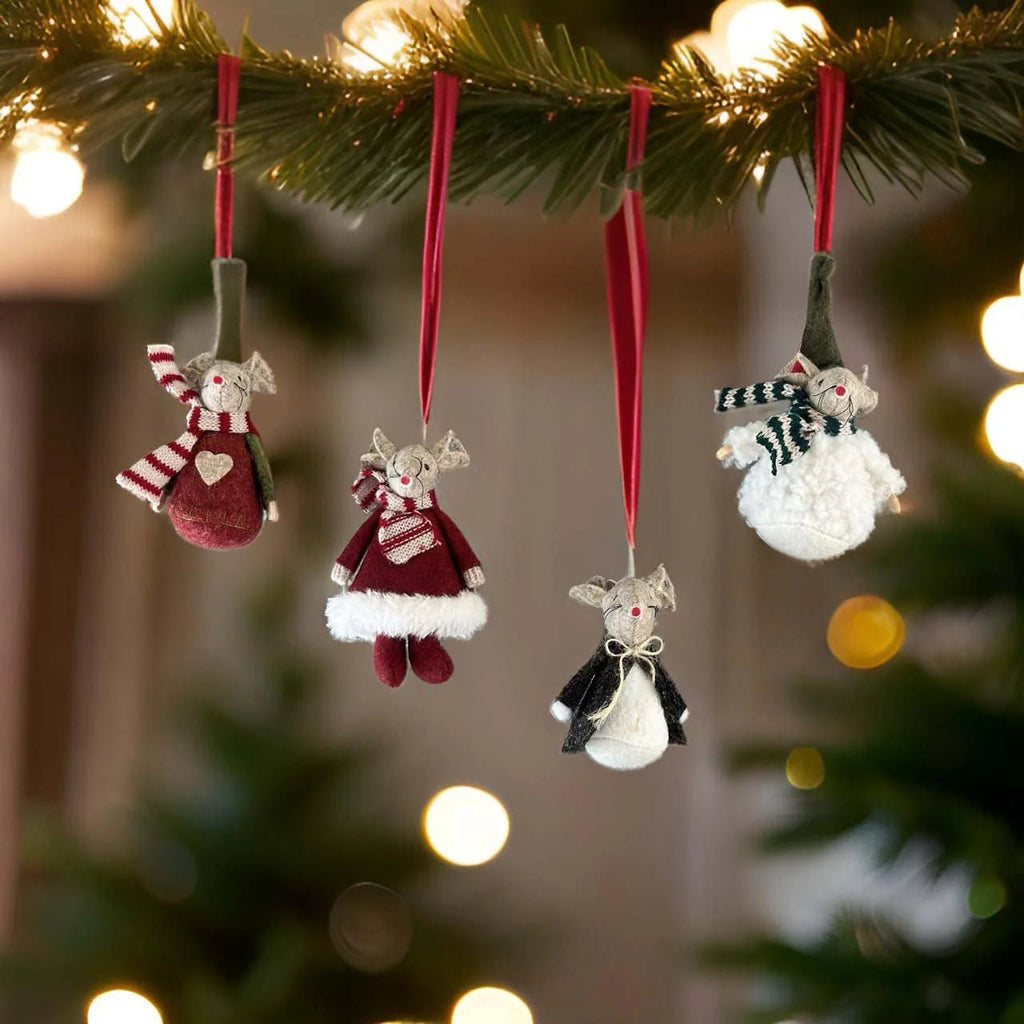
(645, 652)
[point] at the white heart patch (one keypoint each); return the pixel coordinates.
(213, 467)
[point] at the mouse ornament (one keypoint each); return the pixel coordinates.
(214, 481)
(408, 576)
(815, 481)
(622, 707)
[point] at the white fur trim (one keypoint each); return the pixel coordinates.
(365, 614)
(561, 712)
(684, 716)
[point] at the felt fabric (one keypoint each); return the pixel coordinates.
(626, 737)
(227, 513)
(429, 660)
(148, 478)
(821, 505)
(789, 435)
(389, 660)
(819, 338)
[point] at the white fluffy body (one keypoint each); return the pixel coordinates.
(634, 734)
(822, 504)
(366, 614)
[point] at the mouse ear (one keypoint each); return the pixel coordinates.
(195, 369)
(664, 591)
(798, 370)
(450, 452)
(593, 591)
(260, 374)
(382, 450)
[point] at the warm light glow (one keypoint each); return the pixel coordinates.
(1002, 332)
(466, 825)
(744, 34)
(375, 39)
(491, 1006)
(865, 632)
(135, 19)
(47, 176)
(1004, 425)
(119, 1006)
(805, 768)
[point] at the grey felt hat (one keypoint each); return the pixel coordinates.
(229, 289)
(819, 339)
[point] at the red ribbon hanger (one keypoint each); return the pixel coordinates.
(828, 148)
(446, 100)
(626, 271)
(229, 75)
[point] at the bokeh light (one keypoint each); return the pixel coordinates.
(865, 632)
(466, 825)
(47, 177)
(987, 896)
(121, 1006)
(135, 19)
(1002, 332)
(376, 40)
(1004, 425)
(805, 768)
(491, 1006)
(371, 927)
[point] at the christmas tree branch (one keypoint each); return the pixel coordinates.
(532, 108)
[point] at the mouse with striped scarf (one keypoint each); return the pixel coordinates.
(815, 480)
(622, 707)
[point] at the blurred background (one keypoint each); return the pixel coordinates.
(213, 813)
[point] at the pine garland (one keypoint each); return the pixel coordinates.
(532, 108)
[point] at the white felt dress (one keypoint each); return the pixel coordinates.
(634, 734)
(824, 502)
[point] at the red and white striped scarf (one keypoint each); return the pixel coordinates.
(403, 533)
(151, 474)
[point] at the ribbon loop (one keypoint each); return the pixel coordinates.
(626, 269)
(645, 652)
(446, 99)
(828, 148)
(229, 75)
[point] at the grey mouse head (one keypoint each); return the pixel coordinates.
(412, 471)
(835, 391)
(226, 386)
(631, 605)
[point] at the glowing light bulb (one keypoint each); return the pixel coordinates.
(465, 825)
(865, 632)
(375, 37)
(47, 176)
(1004, 425)
(120, 1006)
(1002, 332)
(135, 20)
(752, 33)
(805, 768)
(491, 1006)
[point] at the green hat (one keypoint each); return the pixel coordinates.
(229, 289)
(819, 340)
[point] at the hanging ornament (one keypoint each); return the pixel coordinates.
(408, 576)
(865, 632)
(214, 481)
(815, 481)
(622, 707)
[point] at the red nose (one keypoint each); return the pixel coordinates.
(405, 480)
(635, 612)
(218, 379)
(840, 390)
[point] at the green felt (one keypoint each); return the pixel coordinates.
(229, 290)
(264, 478)
(819, 339)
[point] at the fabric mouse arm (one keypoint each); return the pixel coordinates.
(348, 561)
(671, 701)
(465, 559)
(264, 477)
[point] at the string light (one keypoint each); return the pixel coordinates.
(865, 632)
(135, 20)
(47, 177)
(1004, 425)
(744, 34)
(376, 39)
(465, 825)
(120, 1006)
(805, 768)
(1002, 332)
(491, 1006)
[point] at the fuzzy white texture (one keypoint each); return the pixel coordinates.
(560, 712)
(634, 734)
(366, 614)
(822, 504)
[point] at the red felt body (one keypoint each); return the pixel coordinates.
(225, 514)
(434, 573)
